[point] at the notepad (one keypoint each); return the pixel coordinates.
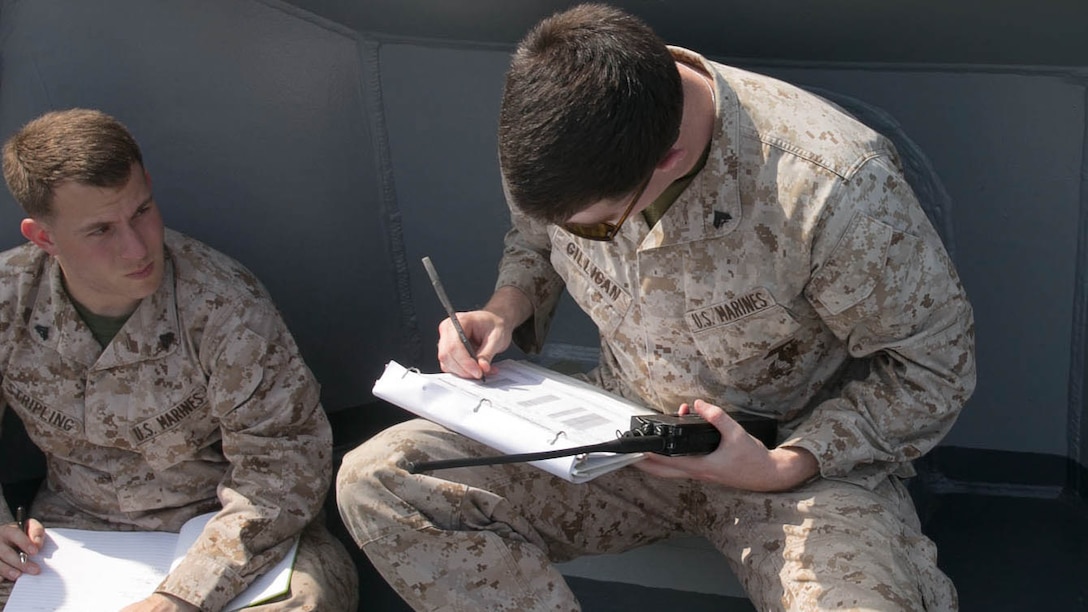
(521, 408)
(92, 571)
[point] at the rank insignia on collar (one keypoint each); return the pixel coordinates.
(721, 218)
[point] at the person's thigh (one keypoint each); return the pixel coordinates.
(488, 535)
(831, 545)
(377, 494)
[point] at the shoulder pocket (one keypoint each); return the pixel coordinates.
(855, 266)
(237, 371)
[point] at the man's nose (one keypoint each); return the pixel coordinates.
(133, 245)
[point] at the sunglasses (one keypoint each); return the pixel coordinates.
(604, 231)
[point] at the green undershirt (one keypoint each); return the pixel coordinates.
(102, 328)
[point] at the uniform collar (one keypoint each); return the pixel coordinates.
(710, 206)
(150, 333)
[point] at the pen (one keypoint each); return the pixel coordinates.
(442, 297)
(20, 519)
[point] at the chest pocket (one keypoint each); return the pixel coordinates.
(44, 420)
(737, 335)
(179, 433)
(596, 288)
(235, 375)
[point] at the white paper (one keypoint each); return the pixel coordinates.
(79, 575)
(92, 571)
(522, 408)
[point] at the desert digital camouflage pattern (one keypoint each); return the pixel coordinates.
(797, 277)
(200, 402)
(486, 538)
(798, 248)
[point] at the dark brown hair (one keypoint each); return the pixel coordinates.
(592, 103)
(86, 146)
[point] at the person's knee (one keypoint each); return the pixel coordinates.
(370, 487)
(382, 461)
(359, 466)
(370, 467)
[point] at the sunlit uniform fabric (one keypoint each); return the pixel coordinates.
(200, 402)
(796, 277)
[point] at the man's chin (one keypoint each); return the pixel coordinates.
(146, 287)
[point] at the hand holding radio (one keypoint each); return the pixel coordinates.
(691, 434)
(741, 460)
(709, 445)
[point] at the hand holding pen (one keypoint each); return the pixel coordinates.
(20, 522)
(454, 320)
(17, 543)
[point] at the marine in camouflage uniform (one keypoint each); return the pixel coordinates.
(796, 277)
(199, 403)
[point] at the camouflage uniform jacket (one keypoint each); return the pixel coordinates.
(796, 277)
(201, 401)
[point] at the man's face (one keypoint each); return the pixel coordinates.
(108, 242)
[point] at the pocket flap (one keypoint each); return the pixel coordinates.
(855, 266)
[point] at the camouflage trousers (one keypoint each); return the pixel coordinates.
(324, 578)
(486, 538)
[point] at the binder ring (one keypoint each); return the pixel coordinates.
(413, 370)
(481, 403)
(558, 434)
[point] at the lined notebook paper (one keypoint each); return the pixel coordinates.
(92, 571)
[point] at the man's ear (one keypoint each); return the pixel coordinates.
(38, 233)
(671, 160)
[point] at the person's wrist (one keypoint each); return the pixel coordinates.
(793, 466)
(511, 305)
(175, 603)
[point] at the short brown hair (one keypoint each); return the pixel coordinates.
(87, 146)
(592, 102)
